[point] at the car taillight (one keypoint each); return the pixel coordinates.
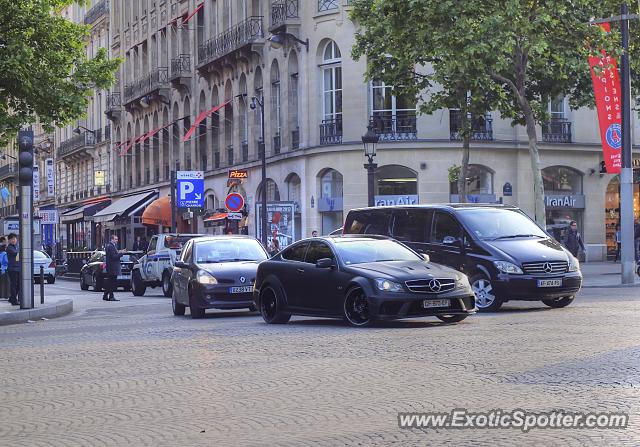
(53, 264)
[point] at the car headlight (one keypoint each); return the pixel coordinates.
(388, 286)
(507, 267)
(205, 278)
(574, 264)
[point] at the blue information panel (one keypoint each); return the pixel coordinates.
(190, 189)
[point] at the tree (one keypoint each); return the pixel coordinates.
(44, 71)
(529, 51)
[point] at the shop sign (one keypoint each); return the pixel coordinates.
(50, 176)
(392, 200)
(280, 221)
(48, 217)
(238, 174)
(99, 178)
(36, 183)
(565, 201)
(329, 204)
(507, 190)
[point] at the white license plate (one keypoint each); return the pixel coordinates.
(244, 289)
(123, 276)
(549, 283)
(435, 303)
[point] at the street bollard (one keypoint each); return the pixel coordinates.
(42, 284)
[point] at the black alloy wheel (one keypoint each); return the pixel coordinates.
(270, 307)
(356, 308)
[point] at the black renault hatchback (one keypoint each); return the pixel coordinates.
(505, 254)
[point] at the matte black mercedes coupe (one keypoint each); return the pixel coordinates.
(361, 279)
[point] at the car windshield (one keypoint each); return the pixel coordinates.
(368, 250)
(176, 242)
(39, 256)
(229, 250)
(129, 258)
(495, 223)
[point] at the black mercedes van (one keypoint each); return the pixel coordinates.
(505, 254)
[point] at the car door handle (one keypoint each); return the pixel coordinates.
(300, 270)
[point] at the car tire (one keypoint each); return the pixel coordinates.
(196, 312)
(356, 308)
(178, 309)
(98, 284)
(270, 306)
(83, 285)
(51, 280)
(167, 287)
(137, 285)
(486, 299)
(559, 302)
(451, 318)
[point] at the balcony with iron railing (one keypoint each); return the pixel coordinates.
(77, 145)
(557, 131)
(100, 9)
(331, 131)
(153, 82)
(8, 171)
(181, 67)
(481, 127)
(283, 13)
(114, 106)
(394, 127)
(247, 32)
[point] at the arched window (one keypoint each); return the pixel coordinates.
(294, 194)
(244, 118)
(294, 125)
(276, 121)
(330, 200)
(331, 127)
(479, 181)
(394, 180)
(273, 193)
(561, 180)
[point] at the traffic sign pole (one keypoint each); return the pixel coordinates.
(174, 207)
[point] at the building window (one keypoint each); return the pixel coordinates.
(331, 127)
(330, 203)
(561, 180)
(327, 5)
(276, 120)
(393, 117)
(395, 180)
(563, 199)
(479, 181)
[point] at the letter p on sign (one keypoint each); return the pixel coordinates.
(186, 188)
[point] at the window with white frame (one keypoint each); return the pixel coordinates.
(557, 108)
(332, 82)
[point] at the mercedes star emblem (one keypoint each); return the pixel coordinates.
(243, 279)
(547, 267)
(435, 285)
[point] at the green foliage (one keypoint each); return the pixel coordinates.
(454, 173)
(44, 70)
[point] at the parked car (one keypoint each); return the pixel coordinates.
(361, 279)
(154, 269)
(40, 258)
(94, 271)
(506, 255)
(216, 272)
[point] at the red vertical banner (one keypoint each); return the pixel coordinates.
(606, 86)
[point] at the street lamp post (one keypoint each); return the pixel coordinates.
(257, 102)
(370, 140)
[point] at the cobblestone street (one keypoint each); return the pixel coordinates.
(130, 373)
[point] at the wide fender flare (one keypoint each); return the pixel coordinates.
(480, 269)
(274, 281)
(363, 283)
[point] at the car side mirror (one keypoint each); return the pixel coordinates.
(181, 265)
(426, 257)
(324, 263)
(450, 240)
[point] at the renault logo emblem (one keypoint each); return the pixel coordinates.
(547, 267)
(243, 279)
(435, 285)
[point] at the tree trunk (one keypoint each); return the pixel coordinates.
(464, 169)
(534, 155)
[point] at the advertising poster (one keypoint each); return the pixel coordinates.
(280, 221)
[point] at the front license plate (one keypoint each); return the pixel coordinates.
(244, 289)
(435, 303)
(549, 282)
(123, 276)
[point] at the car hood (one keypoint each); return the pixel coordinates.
(402, 270)
(530, 250)
(232, 271)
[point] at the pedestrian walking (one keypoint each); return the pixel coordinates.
(573, 240)
(5, 286)
(274, 248)
(137, 244)
(618, 243)
(314, 233)
(13, 269)
(114, 268)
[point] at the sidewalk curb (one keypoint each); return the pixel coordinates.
(58, 309)
(616, 286)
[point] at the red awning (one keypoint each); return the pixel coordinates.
(201, 118)
(217, 216)
(195, 11)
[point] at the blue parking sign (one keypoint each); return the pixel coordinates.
(190, 189)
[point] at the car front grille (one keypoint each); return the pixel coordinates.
(545, 268)
(435, 285)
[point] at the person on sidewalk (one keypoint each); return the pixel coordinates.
(114, 268)
(13, 268)
(618, 243)
(573, 240)
(5, 287)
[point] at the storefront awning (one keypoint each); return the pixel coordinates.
(158, 212)
(216, 217)
(125, 206)
(86, 210)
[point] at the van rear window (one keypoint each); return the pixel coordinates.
(368, 222)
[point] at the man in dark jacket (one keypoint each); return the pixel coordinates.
(573, 240)
(113, 268)
(13, 269)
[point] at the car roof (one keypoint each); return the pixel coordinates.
(181, 235)
(343, 237)
(223, 237)
(450, 206)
